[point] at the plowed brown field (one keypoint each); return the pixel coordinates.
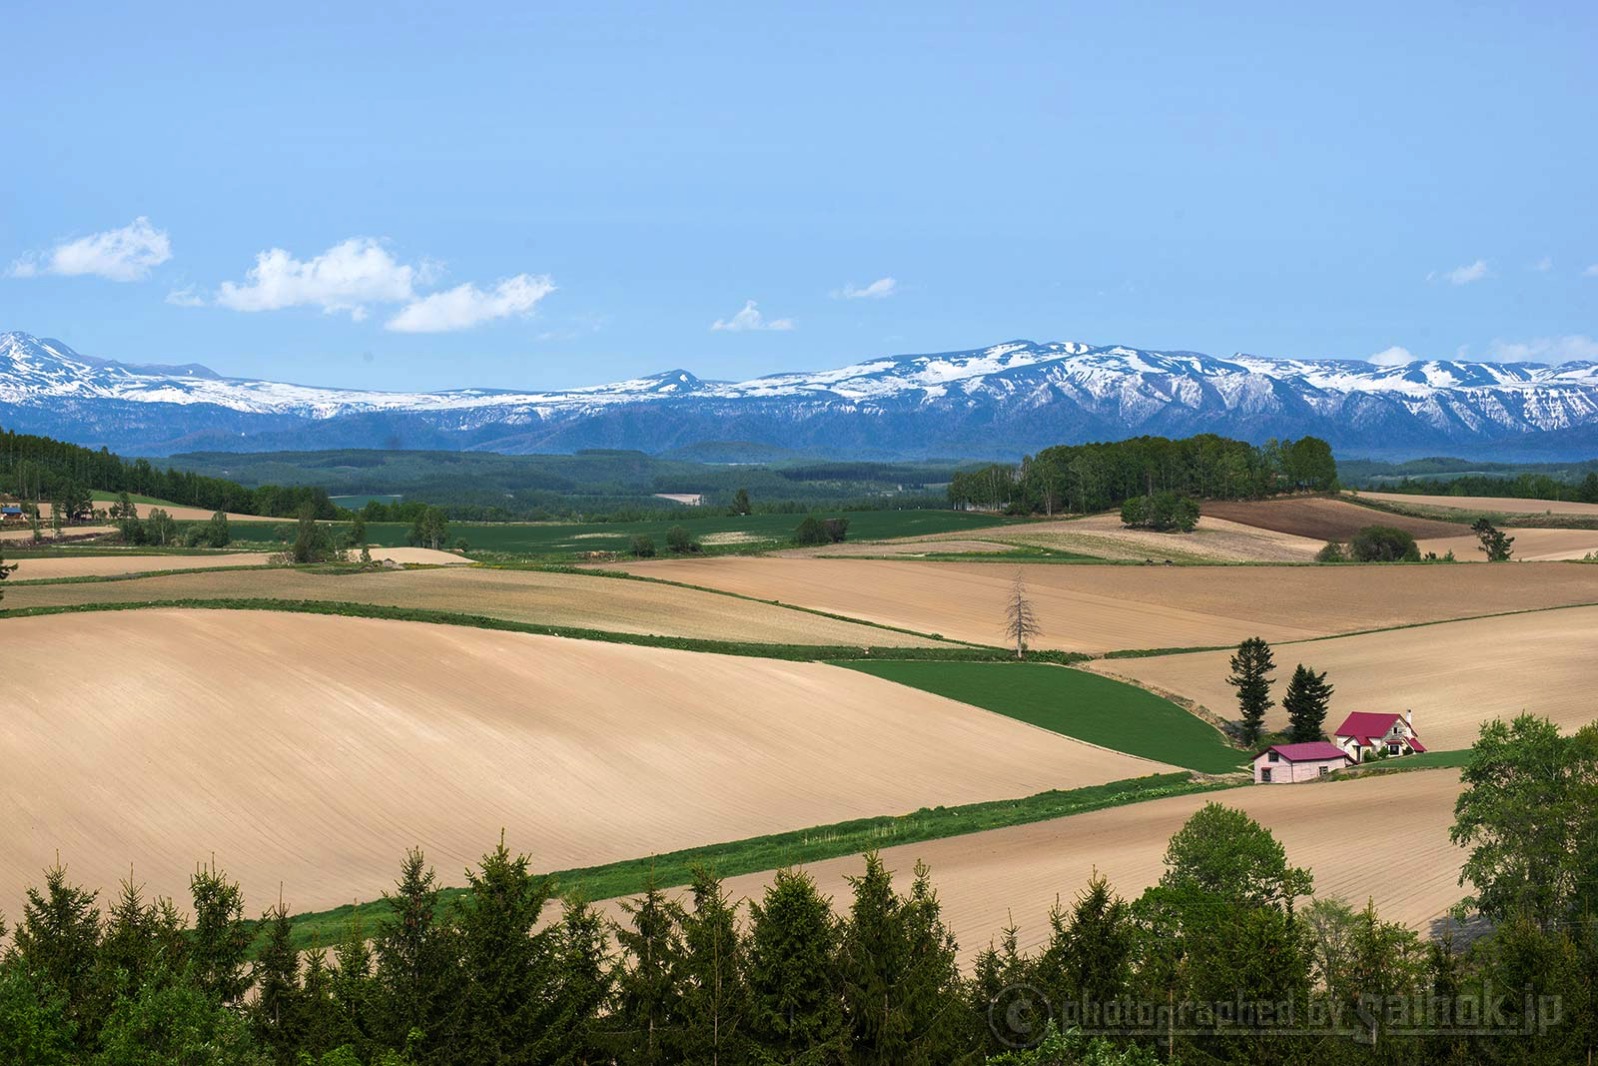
(572, 600)
(986, 880)
(1100, 608)
(315, 750)
(1453, 676)
(1322, 519)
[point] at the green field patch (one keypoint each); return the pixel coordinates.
(801, 846)
(1099, 710)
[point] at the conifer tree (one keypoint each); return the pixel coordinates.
(57, 943)
(1089, 956)
(648, 1016)
(415, 960)
(932, 975)
(220, 942)
(1251, 668)
(583, 985)
(715, 988)
(275, 1014)
(353, 988)
(139, 937)
(873, 963)
(507, 971)
(796, 1014)
(998, 968)
(1308, 697)
(321, 1026)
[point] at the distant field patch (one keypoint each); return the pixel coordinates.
(1086, 706)
(722, 532)
(1321, 518)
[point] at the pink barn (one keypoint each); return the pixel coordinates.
(1284, 764)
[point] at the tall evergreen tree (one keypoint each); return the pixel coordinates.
(648, 1016)
(1088, 959)
(220, 943)
(796, 1014)
(583, 986)
(139, 937)
(353, 988)
(275, 1014)
(507, 969)
(416, 961)
(57, 944)
(715, 989)
(1252, 664)
(1306, 702)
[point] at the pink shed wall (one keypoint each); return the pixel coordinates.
(1288, 773)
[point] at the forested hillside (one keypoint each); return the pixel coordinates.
(1083, 478)
(41, 468)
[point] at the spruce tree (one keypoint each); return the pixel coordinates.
(321, 1025)
(1308, 697)
(583, 985)
(139, 937)
(507, 969)
(1089, 957)
(873, 961)
(220, 942)
(648, 1016)
(715, 987)
(1251, 668)
(932, 982)
(353, 988)
(415, 960)
(275, 1014)
(796, 1014)
(57, 944)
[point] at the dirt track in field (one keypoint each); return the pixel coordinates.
(1473, 506)
(571, 600)
(316, 750)
(986, 880)
(1321, 519)
(1453, 676)
(1100, 608)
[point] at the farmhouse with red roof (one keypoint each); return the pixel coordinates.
(1285, 764)
(1365, 733)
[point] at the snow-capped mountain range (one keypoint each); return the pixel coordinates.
(1000, 401)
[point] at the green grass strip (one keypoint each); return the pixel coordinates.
(777, 850)
(793, 652)
(1074, 703)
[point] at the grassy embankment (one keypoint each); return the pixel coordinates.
(801, 846)
(1099, 710)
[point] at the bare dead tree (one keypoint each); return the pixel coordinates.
(1020, 621)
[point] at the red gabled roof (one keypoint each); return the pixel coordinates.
(1415, 745)
(1362, 725)
(1314, 751)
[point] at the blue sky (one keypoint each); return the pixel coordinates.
(430, 196)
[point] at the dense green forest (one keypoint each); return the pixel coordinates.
(41, 469)
(1520, 487)
(1083, 478)
(482, 486)
(1228, 958)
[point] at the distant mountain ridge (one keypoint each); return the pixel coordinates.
(1004, 400)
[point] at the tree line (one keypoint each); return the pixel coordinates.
(1520, 487)
(1199, 968)
(1082, 478)
(43, 469)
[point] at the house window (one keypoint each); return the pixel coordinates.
(1325, 770)
(1392, 749)
(1275, 757)
(1265, 776)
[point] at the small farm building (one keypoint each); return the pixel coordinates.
(1285, 764)
(1363, 733)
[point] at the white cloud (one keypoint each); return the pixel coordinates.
(125, 254)
(466, 305)
(187, 296)
(1468, 273)
(346, 277)
(1543, 265)
(1590, 272)
(749, 318)
(880, 289)
(1575, 346)
(1394, 356)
